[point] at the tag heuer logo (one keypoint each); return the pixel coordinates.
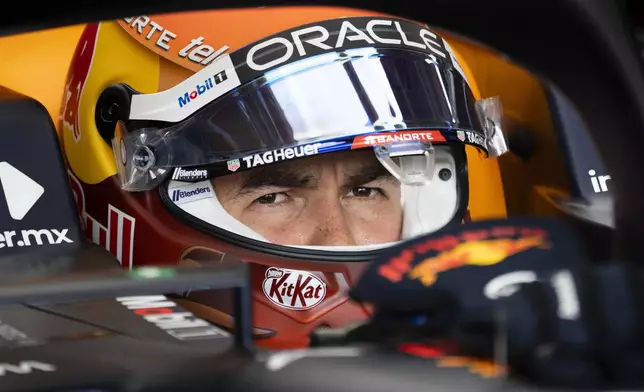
(460, 135)
(233, 165)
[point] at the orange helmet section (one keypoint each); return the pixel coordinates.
(487, 196)
(194, 39)
(105, 55)
(524, 102)
(153, 53)
(35, 64)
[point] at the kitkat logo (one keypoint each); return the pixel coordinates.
(293, 289)
(379, 139)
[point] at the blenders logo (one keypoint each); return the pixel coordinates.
(201, 88)
(279, 155)
(181, 174)
(190, 193)
(380, 139)
(342, 34)
(167, 316)
(293, 289)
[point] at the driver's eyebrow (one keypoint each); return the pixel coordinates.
(366, 174)
(282, 177)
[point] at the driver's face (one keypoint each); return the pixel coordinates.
(332, 199)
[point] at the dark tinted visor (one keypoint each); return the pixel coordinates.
(332, 97)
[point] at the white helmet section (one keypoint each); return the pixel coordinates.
(430, 208)
(426, 208)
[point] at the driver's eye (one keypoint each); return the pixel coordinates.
(272, 198)
(362, 192)
(267, 199)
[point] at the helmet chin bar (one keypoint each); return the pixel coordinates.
(412, 163)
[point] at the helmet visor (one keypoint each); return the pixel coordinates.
(315, 105)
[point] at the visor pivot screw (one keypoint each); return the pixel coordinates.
(113, 110)
(112, 105)
(143, 158)
(384, 148)
(445, 174)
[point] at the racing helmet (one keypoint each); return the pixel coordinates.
(182, 130)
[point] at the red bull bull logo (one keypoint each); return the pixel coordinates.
(477, 247)
(481, 253)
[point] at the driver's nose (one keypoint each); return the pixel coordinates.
(328, 225)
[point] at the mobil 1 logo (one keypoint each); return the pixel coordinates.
(201, 88)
